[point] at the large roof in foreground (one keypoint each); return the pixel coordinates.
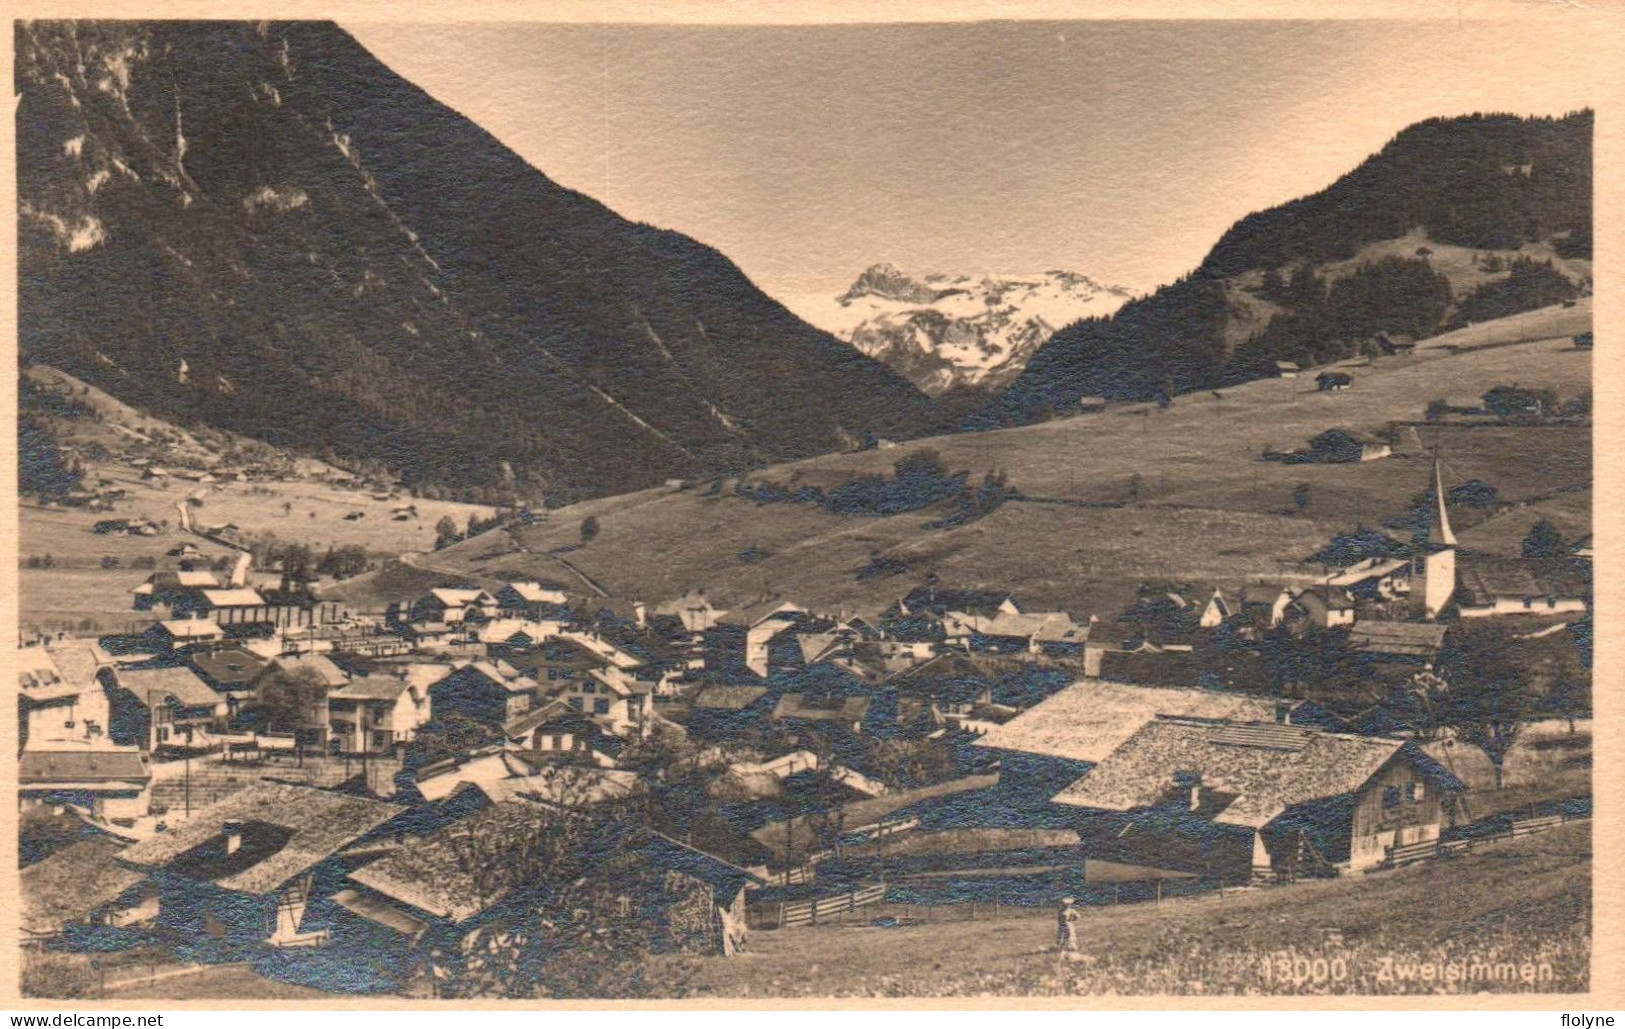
(1090, 719)
(1266, 767)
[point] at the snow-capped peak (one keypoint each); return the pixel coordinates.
(946, 331)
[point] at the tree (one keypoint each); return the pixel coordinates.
(589, 528)
(1300, 497)
(294, 701)
(572, 904)
(445, 532)
(449, 736)
(1489, 702)
(1543, 542)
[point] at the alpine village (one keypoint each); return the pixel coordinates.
(444, 639)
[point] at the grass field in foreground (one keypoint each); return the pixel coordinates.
(1525, 902)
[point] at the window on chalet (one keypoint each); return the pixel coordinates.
(1414, 792)
(1390, 797)
(600, 706)
(575, 702)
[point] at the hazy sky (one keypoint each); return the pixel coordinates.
(1117, 149)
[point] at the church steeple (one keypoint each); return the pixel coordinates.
(1433, 555)
(1438, 526)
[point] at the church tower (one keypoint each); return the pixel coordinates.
(1433, 555)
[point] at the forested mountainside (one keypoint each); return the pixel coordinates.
(262, 228)
(1455, 220)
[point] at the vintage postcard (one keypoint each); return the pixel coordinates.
(791, 505)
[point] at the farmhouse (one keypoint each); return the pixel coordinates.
(712, 917)
(493, 692)
(163, 708)
(558, 733)
(696, 612)
(452, 606)
(231, 671)
(182, 634)
(111, 783)
(722, 712)
(1213, 668)
(1053, 633)
(1327, 607)
(1490, 588)
(1265, 605)
(82, 885)
(1287, 369)
(612, 698)
(533, 600)
(1343, 446)
(59, 700)
(1057, 740)
(244, 872)
(376, 713)
(1240, 801)
(1330, 381)
(164, 589)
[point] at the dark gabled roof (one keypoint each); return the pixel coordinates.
(231, 666)
(821, 708)
(1483, 581)
(1410, 639)
(939, 601)
(1208, 668)
(312, 825)
(73, 883)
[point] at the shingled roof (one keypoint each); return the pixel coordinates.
(153, 685)
(1088, 720)
(313, 824)
(1264, 768)
(432, 873)
(73, 883)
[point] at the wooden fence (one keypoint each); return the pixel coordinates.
(1515, 828)
(840, 908)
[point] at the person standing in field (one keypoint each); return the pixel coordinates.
(1066, 926)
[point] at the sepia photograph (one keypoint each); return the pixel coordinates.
(795, 509)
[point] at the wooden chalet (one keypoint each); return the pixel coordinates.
(1242, 801)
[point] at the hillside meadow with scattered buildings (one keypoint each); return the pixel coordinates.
(1108, 500)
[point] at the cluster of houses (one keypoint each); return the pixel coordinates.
(1158, 736)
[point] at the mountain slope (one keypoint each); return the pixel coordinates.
(264, 228)
(967, 331)
(1395, 246)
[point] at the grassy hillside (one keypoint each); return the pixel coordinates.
(1205, 507)
(1528, 901)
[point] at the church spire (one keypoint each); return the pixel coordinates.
(1438, 525)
